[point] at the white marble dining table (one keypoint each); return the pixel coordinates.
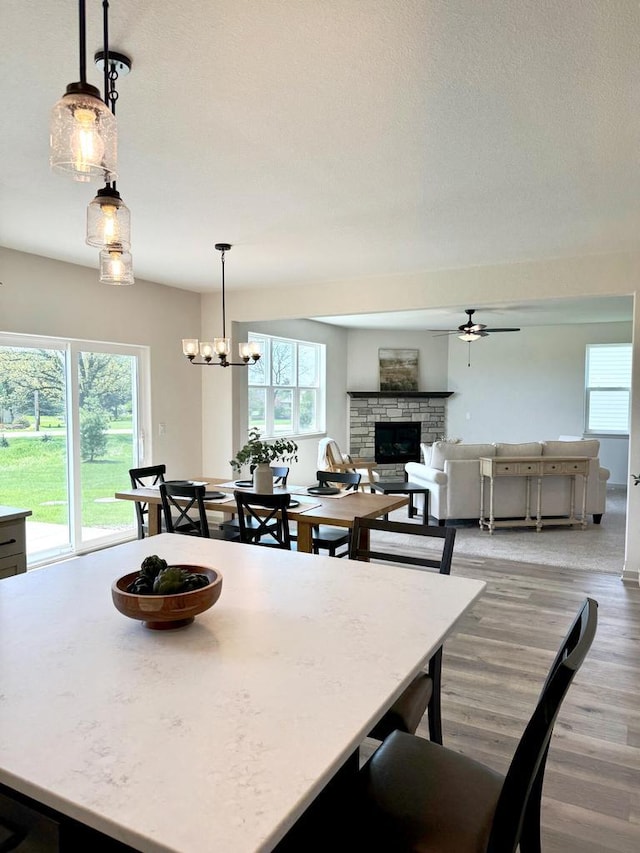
(218, 735)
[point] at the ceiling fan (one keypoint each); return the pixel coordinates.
(471, 331)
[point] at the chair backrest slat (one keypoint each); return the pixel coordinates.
(349, 479)
(447, 535)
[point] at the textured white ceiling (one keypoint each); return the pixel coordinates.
(331, 139)
(548, 312)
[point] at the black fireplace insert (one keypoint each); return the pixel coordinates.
(397, 441)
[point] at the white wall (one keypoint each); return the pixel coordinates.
(362, 365)
(45, 297)
(529, 386)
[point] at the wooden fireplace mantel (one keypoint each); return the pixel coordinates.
(401, 394)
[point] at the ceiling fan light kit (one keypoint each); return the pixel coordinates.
(471, 331)
(220, 347)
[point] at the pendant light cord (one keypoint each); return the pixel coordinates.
(105, 50)
(82, 41)
(109, 68)
(224, 333)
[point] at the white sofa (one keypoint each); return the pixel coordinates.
(451, 472)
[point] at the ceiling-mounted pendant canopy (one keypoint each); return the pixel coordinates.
(83, 132)
(220, 347)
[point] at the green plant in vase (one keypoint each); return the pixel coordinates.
(259, 455)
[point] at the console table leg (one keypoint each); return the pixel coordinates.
(492, 521)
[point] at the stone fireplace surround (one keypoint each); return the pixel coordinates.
(367, 407)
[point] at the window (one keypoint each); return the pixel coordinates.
(286, 387)
(608, 388)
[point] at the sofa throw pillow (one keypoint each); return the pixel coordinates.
(443, 450)
(425, 450)
(524, 448)
(589, 448)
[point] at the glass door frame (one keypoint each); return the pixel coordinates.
(141, 426)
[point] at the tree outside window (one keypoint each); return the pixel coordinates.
(286, 387)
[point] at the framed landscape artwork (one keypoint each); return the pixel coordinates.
(398, 369)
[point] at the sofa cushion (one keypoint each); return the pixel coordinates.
(425, 450)
(443, 450)
(524, 448)
(588, 448)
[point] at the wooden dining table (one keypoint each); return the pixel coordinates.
(216, 736)
(336, 511)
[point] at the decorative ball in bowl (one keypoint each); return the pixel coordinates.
(160, 611)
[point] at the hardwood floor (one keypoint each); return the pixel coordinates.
(493, 670)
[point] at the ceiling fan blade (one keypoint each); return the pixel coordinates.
(501, 330)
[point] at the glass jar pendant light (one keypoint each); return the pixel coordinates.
(108, 217)
(108, 220)
(220, 347)
(116, 266)
(83, 132)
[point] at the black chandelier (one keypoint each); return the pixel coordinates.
(221, 347)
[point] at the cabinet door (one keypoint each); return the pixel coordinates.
(12, 565)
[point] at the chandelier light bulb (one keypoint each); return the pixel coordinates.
(206, 350)
(190, 347)
(222, 346)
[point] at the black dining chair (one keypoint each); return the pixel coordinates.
(142, 478)
(423, 693)
(415, 795)
(263, 519)
(231, 527)
(184, 510)
(326, 537)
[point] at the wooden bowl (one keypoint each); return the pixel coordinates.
(162, 612)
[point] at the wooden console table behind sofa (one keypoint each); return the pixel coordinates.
(531, 467)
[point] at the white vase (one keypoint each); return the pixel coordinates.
(263, 479)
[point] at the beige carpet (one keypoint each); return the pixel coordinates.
(600, 547)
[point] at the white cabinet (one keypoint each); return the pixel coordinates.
(13, 550)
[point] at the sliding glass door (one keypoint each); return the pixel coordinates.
(71, 422)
